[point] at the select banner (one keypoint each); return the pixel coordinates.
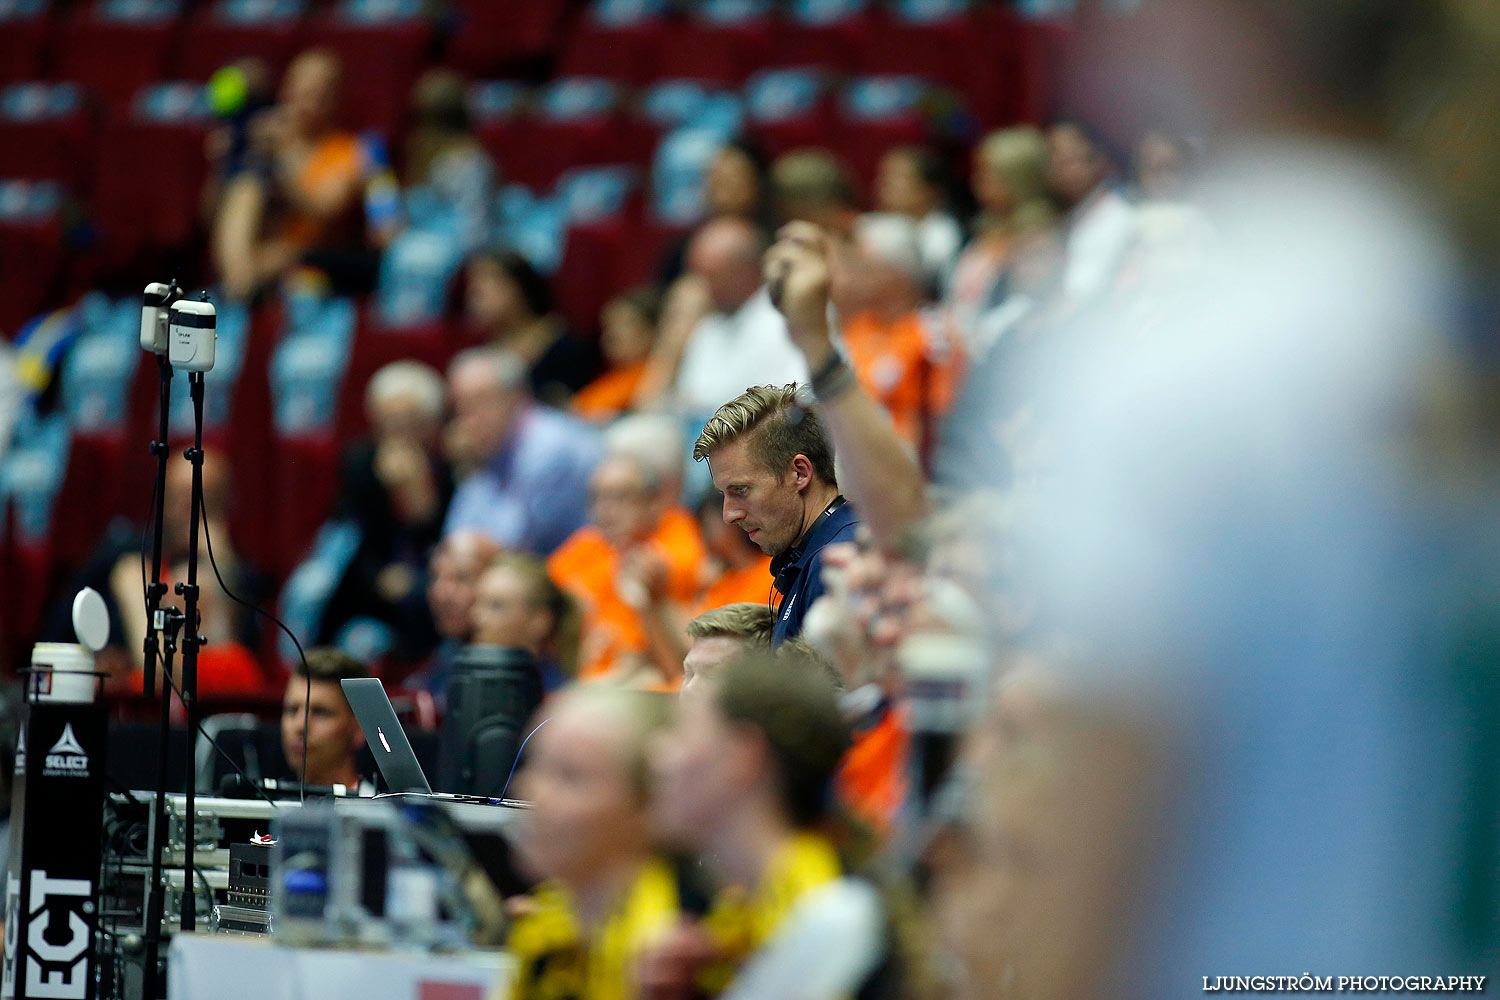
(52, 879)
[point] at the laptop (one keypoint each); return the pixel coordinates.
(383, 732)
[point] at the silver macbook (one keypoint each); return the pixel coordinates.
(387, 740)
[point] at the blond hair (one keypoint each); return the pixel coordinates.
(1019, 156)
(780, 428)
(564, 637)
(749, 622)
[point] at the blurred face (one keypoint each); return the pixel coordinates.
(622, 507)
(1158, 168)
(627, 334)
(333, 736)
(731, 186)
(900, 187)
(309, 93)
(698, 771)
(705, 657)
(725, 542)
(990, 189)
(483, 411)
(504, 612)
(455, 570)
(766, 507)
(493, 301)
(1074, 167)
(728, 265)
(585, 810)
(403, 418)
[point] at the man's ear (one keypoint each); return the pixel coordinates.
(802, 472)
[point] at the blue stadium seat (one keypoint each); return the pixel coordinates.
(589, 194)
(825, 12)
(416, 271)
(673, 103)
(677, 173)
(309, 364)
(626, 13)
(882, 98)
(578, 98)
(928, 11)
(533, 226)
(787, 108)
(733, 12)
(31, 474)
(100, 368)
(491, 99)
(304, 598)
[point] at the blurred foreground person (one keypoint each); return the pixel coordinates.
(744, 780)
(604, 896)
(1244, 527)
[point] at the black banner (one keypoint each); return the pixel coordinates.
(52, 884)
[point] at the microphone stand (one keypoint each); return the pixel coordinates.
(191, 641)
(156, 590)
(151, 988)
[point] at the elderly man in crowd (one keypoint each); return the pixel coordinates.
(530, 465)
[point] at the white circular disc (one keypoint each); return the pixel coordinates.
(90, 619)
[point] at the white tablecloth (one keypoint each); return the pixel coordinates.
(224, 967)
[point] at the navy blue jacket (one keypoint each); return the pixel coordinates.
(807, 584)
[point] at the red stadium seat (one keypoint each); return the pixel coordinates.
(718, 54)
(209, 42)
(375, 346)
(31, 263)
(113, 58)
(304, 485)
(23, 41)
(45, 145)
(147, 185)
(381, 62)
(491, 37)
(628, 54)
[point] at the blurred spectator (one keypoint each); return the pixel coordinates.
(639, 549)
(773, 462)
(903, 355)
(811, 185)
(604, 897)
(529, 465)
(740, 340)
(1173, 236)
(316, 721)
(743, 782)
(718, 636)
(115, 571)
(396, 488)
(1009, 178)
(457, 563)
(518, 606)
(511, 306)
(239, 93)
(912, 181)
(1161, 166)
(1101, 223)
(443, 155)
(736, 569)
(734, 186)
(307, 192)
(628, 323)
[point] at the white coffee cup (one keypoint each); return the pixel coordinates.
(61, 671)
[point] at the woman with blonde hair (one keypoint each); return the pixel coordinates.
(1009, 182)
(517, 605)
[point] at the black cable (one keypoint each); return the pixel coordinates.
(306, 670)
(161, 663)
